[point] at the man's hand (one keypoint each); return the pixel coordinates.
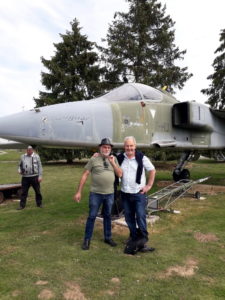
(83, 179)
(111, 159)
(39, 179)
(118, 171)
(145, 189)
(77, 197)
(148, 186)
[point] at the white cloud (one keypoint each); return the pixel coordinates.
(28, 30)
(198, 25)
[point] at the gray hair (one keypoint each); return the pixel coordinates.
(130, 138)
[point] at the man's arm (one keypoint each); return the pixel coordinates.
(118, 171)
(151, 178)
(83, 179)
(40, 170)
(20, 166)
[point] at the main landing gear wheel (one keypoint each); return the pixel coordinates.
(184, 174)
(197, 195)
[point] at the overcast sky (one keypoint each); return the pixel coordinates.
(28, 29)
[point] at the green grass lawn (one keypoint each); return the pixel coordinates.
(41, 257)
(10, 155)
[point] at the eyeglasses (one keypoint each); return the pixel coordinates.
(105, 164)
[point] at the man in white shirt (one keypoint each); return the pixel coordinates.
(134, 188)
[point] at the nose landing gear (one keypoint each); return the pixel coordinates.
(180, 173)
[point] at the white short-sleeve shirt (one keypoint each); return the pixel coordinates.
(129, 167)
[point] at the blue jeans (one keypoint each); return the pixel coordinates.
(95, 201)
(135, 213)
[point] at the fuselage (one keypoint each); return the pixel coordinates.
(156, 119)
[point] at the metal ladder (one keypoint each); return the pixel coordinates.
(162, 199)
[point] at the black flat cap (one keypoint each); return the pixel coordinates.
(106, 141)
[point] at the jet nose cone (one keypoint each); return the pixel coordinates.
(15, 126)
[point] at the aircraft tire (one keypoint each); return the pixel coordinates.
(185, 174)
(2, 198)
(197, 195)
(176, 175)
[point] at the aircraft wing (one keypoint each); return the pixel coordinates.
(8, 144)
(164, 143)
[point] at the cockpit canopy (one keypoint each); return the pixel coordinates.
(133, 92)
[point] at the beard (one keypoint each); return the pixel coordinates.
(105, 153)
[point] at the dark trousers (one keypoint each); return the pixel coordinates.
(135, 213)
(26, 183)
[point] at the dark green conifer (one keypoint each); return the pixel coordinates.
(73, 72)
(141, 48)
(216, 90)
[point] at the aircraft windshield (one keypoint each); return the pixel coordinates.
(125, 92)
(150, 93)
(134, 91)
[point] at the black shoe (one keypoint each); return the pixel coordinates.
(86, 245)
(147, 249)
(20, 207)
(40, 206)
(110, 242)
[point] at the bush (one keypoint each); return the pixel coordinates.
(160, 155)
(69, 155)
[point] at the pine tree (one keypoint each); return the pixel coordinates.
(140, 47)
(216, 90)
(73, 72)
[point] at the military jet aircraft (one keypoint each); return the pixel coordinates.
(7, 144)
(155, 118)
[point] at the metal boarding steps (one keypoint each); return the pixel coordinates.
(162, 199)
